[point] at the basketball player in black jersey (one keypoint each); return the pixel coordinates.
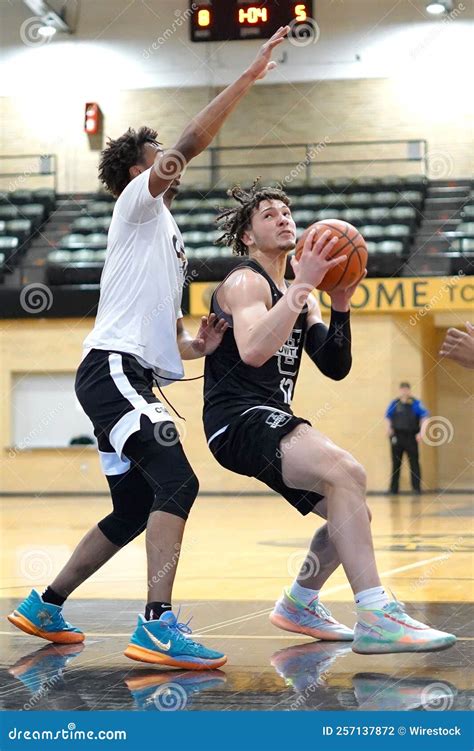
(250, 428)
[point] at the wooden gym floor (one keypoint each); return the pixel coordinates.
(237, 555)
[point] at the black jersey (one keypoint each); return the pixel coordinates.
(231, 386)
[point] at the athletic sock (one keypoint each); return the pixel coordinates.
(52, 597)
(154, 610)
(303, 594)
(371, 599)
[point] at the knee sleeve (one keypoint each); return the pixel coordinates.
(159, 456)
(132, 500)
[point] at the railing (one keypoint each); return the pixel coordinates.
(300, 163)
(30, 171)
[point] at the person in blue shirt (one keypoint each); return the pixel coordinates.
(405, 418)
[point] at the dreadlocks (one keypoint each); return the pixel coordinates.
(120, 155)
(234, 222)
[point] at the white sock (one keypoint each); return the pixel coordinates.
(303, 594)
(373, 599)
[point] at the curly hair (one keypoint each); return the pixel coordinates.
(121, 154)
(235, 221)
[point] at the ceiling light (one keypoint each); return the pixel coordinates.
(47, 31)
(436, 9)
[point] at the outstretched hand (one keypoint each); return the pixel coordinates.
(262, 63)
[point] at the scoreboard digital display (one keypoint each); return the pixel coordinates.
(222, 20)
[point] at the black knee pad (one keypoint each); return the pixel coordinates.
(157, 453)
(121, 530)
(132, 500)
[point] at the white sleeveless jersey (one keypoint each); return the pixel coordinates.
(142, 283)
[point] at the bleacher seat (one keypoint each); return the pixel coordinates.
(85, 225)
(72, 241)
(99, 208)
(9, 247)
(466, 229)
(20, 228)
(35, 212)
(8, 212)
(47, 197)
(21, 197)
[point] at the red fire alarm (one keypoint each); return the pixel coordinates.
(92, 119)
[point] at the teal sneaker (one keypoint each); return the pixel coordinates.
(171, 690)
(313, 620)
(392, 630)
(166, 642)
(38, 618)
(42, 670)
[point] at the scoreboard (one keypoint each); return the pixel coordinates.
(222, 20)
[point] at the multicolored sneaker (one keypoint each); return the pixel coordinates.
(378, 691)
(313, 620)
(165, 690)
(392, 630)
(164, 642)
(305, 666)
(38, 618)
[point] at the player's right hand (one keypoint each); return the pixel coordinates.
(313, 263)
(262, 63)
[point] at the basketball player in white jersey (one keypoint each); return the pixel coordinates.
(138, 341)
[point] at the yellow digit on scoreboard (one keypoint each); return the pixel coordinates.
(300, 12)
(204, 17)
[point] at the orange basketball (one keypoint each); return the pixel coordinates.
(351, 243)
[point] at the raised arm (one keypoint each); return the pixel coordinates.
(202, 129)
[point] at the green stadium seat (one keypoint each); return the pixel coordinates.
(21, 197)
(35, 212)
(403, 214)
(84, 225)
(372, 230)
(9, 212)
(329, 214)
(59, 256)
(99, 208)
(359, 199)
(386, 198)
(95, 241)
(84, 255)
(354, 216)
(303, 216)
(412, 197)
(72, 241)
(468, 212)
(378, 214)
(390, 246)
(9, 247)
(466, 229)
(20, 228)
(45, 196)
(397, 230)
(102, 224)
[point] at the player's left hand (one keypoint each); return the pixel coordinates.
(418, 437)
(262, 63)
(459, 346)
(209, 335)
(341, 298)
